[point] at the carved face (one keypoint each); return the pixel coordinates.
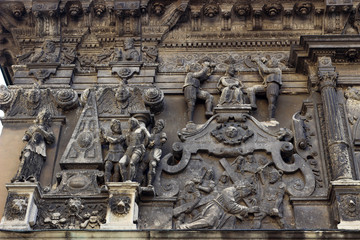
(158, 9)
(122, 94)
(18, 10)
(231, 132)
(209, 174)
(273, 63)
(49, 47)
(274, 176)
(159, 126)
(224, 178)
(115, 126)
(190, 187)
(231, 71)
(33, 96)
(129, 43)
(74, 10)
(99, 9)
(133, 123)
(211, 10)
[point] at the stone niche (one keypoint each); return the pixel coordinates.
(180, 115)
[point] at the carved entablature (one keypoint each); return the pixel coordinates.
(28, 102)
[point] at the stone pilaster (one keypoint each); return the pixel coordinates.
(122, 210)
(20, 209)
(337, 144)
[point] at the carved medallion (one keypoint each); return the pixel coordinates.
(232, 133)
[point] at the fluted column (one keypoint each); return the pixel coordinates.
(337, 144)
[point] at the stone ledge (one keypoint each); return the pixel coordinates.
(178, 234)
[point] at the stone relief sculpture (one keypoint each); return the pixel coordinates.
(116, 151)
(130, 53)
(230, 172)
(33, 155)
(136, 140)
(47, 54)
(231, 88)
(158, 138)
(192, 90)
(271, 74)
(223, 210)
(271, 199)
(188, 199)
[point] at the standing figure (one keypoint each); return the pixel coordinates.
(33, 155)
(271, 73)
(192, 90)
(137, 139)
(116, 151)
(158, 139)
(230, 88)
(272, 197)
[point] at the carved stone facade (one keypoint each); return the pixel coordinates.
(179, 114)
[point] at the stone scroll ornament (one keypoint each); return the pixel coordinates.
(237, 135)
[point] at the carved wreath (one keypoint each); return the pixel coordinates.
(232, 133)
(120, 205)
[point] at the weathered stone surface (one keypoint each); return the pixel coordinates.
(181, 115)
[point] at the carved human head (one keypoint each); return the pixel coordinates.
(18, 10)
(158, 8)
(33, 95)
(190, 186)
(209, 175)
(231, 132)
(75, 9)
(99, 8)
(274, 175)
(115, 126)
(159, 126)
(273, 63)
(129, 43)
(49, 46)
(122, 93)
(244, 188)
(230, 71)
(133, 123)
(224, 178)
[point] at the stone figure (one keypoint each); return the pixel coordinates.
(206, 183)
(192, 90)
(224, 182)
(33, 155)
(187, 201)
(47, 53)
(130, 53)
(353, 104)
(230, 88)
(225, 208)
(137, 139)
(271, 73)
(116, 151)
(158, 138)
(272, 196)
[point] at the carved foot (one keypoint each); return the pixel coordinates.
(209, 114)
